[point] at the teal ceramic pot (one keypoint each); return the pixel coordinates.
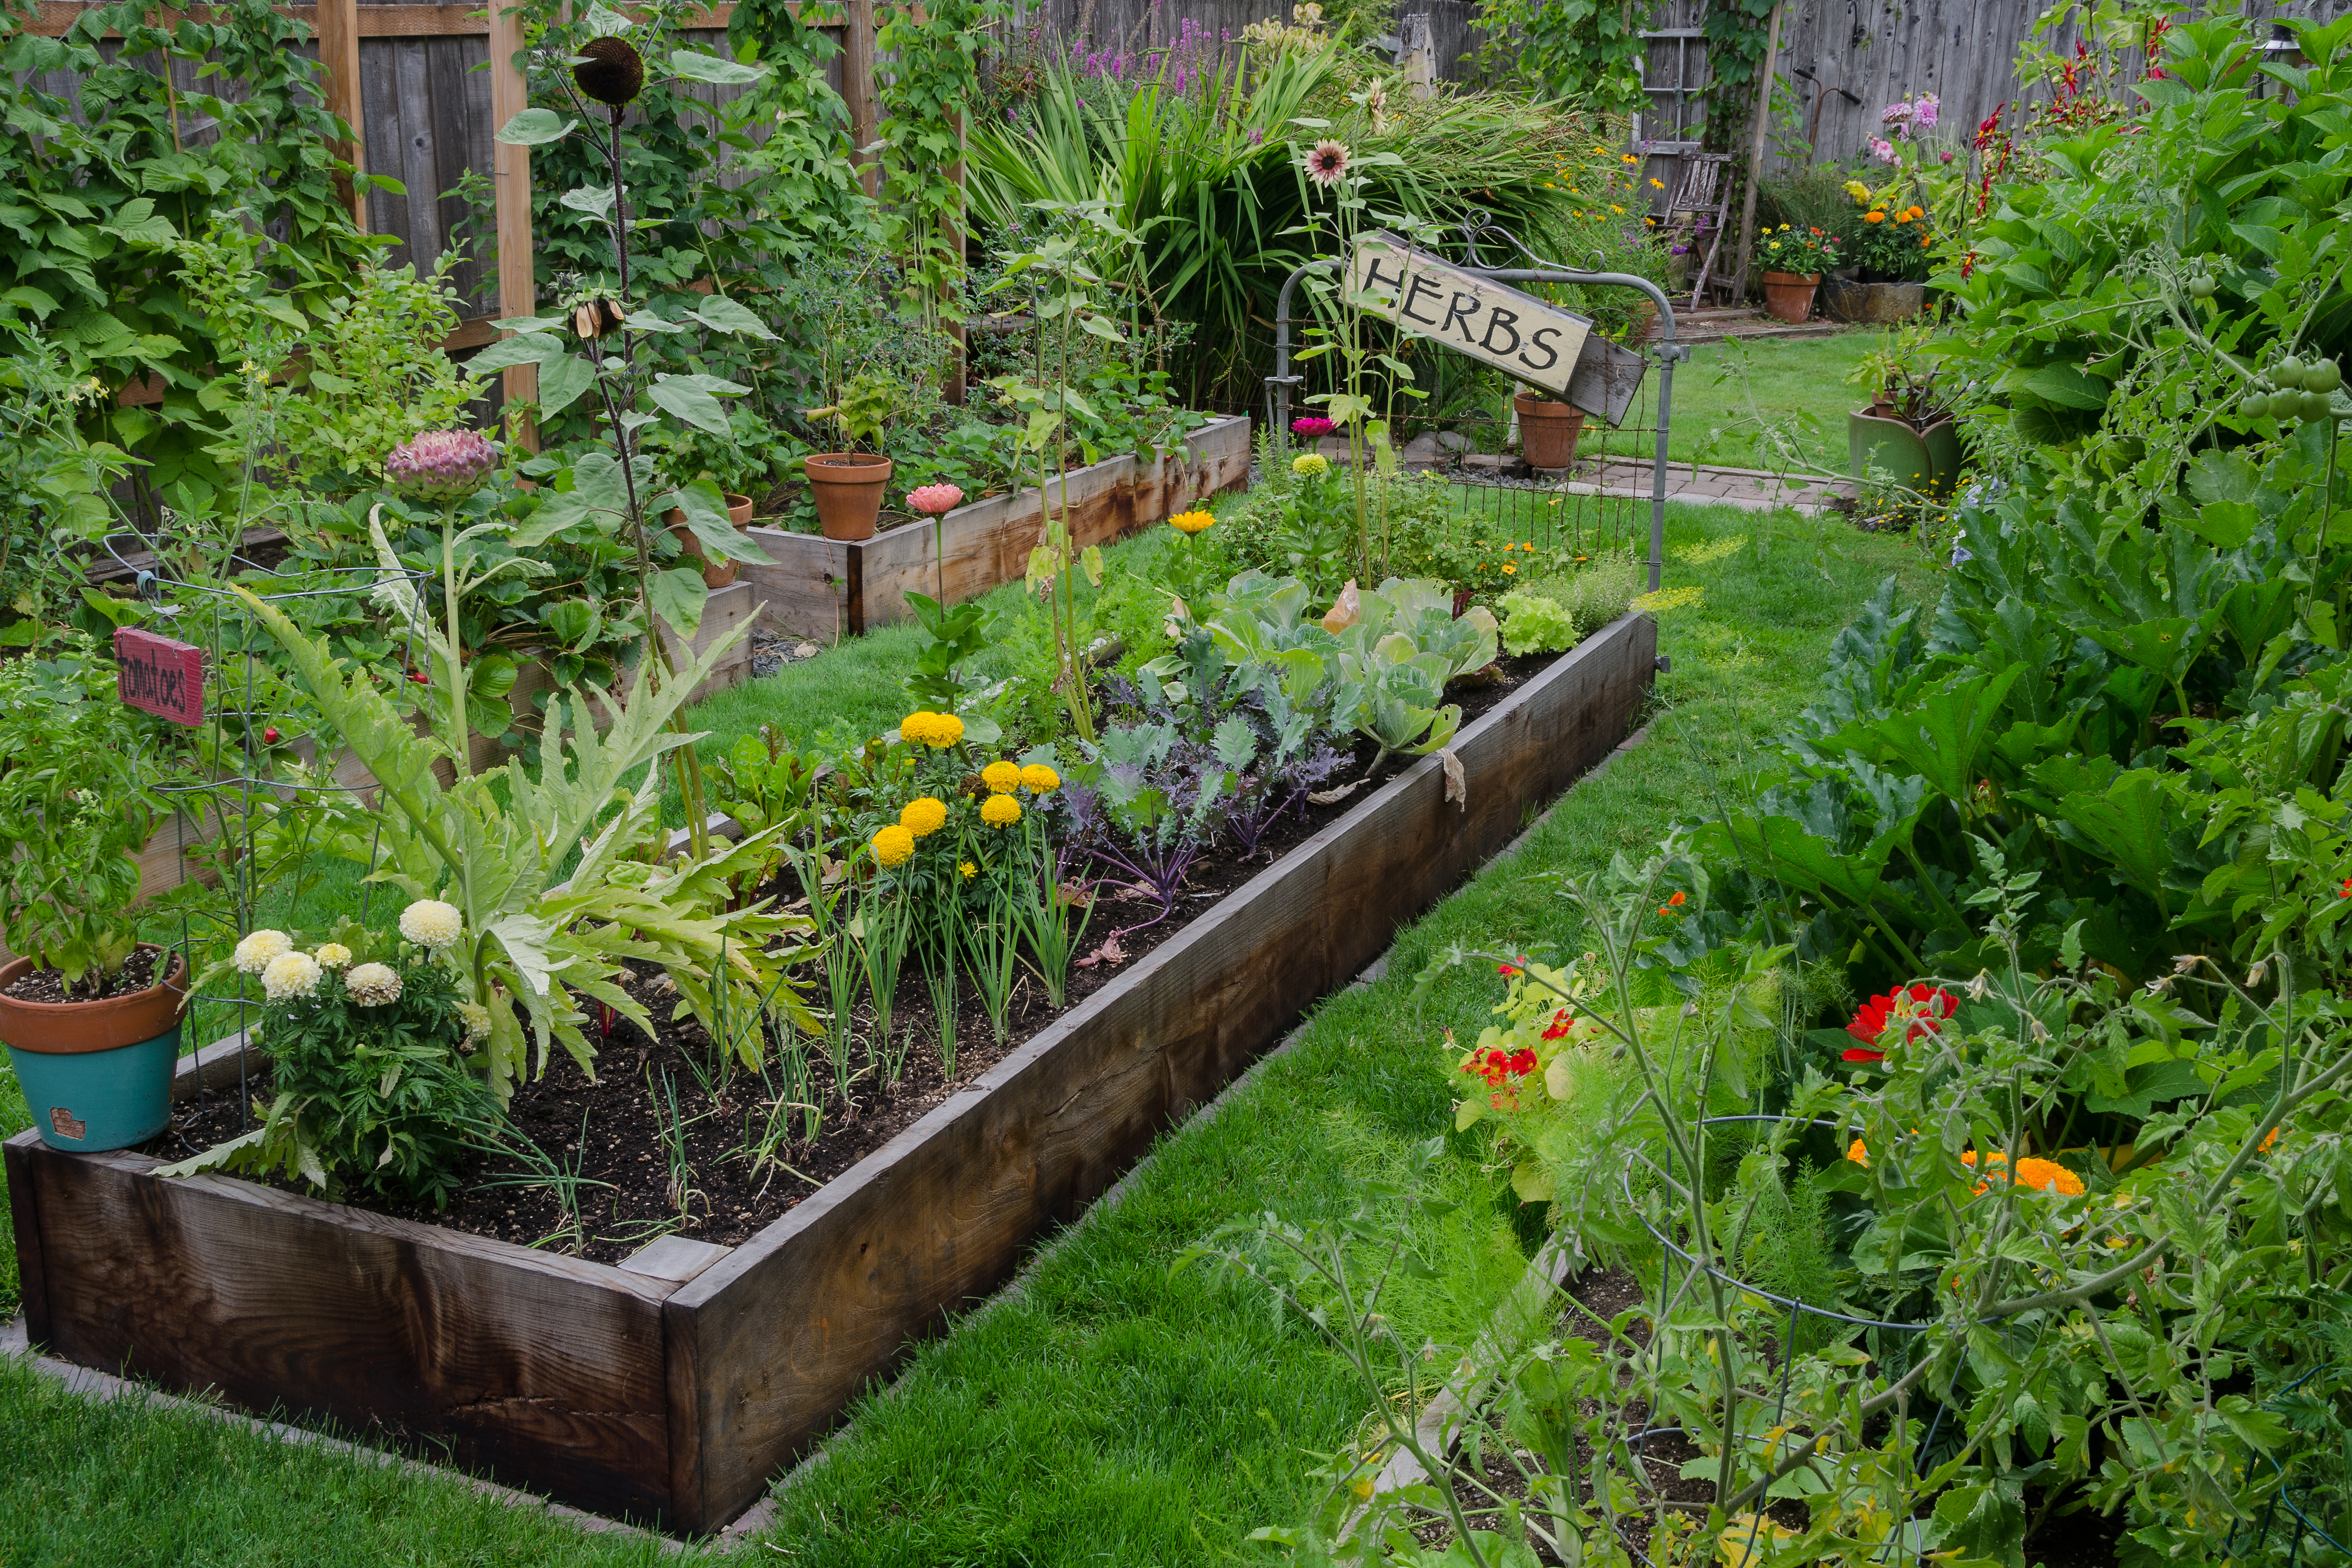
(97, 1074)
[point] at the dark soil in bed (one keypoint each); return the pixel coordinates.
(618, 1134)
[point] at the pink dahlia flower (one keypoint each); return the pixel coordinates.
(441, 465)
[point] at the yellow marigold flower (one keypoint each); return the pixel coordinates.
(1191, 522)
(893, 844)
(1000, 811)
(333, 954)
(923, 816)
(1001, 778)
(1039, 779)
(1312, 464)
(915, 729)
(967, 869)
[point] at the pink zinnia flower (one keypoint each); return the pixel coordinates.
(1326, 162)
(1312, 424)
(934, 500)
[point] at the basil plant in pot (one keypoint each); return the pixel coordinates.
(90, 1013)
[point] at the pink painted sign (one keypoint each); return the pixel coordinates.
(159, 676)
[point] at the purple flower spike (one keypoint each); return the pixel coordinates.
(441, 465)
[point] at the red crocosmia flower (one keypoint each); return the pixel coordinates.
(1560, 1025)
(1918, 1010)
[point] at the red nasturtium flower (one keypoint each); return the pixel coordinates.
(1497, 1066)
(1560, 1025)
(1508, 970)
(1921, 1008)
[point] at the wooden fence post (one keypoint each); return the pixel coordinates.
(1418, 54)
(338, 29)
(518, 295)
(1755, 151)
(858, 87)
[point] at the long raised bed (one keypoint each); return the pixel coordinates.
(829, 588)
(673, 1389)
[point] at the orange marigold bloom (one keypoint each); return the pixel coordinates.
(1858, 1153)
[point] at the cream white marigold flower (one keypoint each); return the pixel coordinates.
(333, 955)
(429, 922)
(254, 953)
(477, 1020)
(373, 984)
(289, 975)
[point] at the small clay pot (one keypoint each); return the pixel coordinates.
(1548, 430)
(847, 486)
(1789, 296)
(714, 573)
(97, 1075)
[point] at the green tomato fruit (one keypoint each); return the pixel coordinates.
(2288, 372)
(2258, 406)
(2323, 376)
(2201, 288)
(2312, 405)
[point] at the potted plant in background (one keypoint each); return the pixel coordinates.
(1794, 260)
(1890, 259)
(847, 484)
(90, 1013)
(1548, 430)
(1907, 429)
(698, 454)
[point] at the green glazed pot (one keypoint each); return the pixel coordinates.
(1926, 461)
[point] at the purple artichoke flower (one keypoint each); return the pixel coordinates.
(441, 465)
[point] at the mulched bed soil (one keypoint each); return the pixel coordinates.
(630, 1192)
(138, 975)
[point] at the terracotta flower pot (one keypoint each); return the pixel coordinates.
(848, 489)
(97, 1075)
(1789, 296)
(715, 574)
(1547, 431)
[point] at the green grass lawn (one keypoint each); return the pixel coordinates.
(1725, 391)
(1108, 1412)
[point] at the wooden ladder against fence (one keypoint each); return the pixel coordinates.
(1704, 196)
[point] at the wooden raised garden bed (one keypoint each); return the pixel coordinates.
(674, 1387)
(828, 588)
